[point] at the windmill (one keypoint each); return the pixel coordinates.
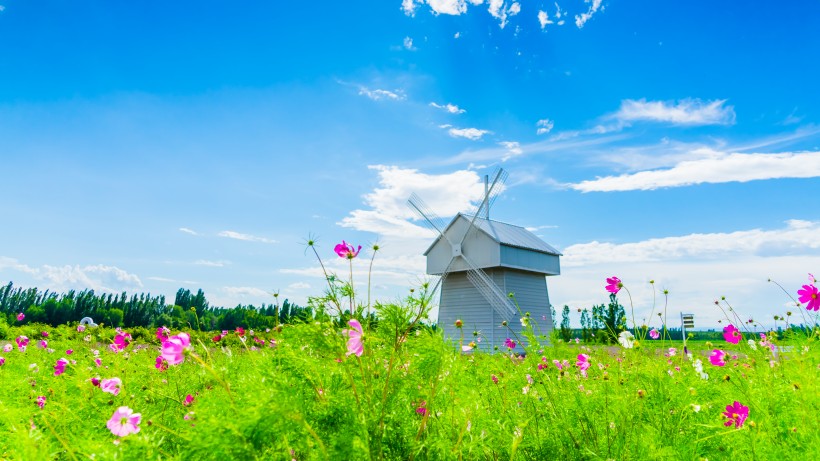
(479, 262)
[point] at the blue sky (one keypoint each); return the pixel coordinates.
(153, 146)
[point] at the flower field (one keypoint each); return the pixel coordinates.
(392, 388)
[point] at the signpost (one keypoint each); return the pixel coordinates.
(687, 321)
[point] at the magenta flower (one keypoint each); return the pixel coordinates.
(614, 285)
(20, 318)
(121, 341)
(2, 361)
(189, 399)
(80, 328)
(345, 250)
(45, 334)
(95, 381)
(173, 348)
(59, 367)
(22, 342)
(240, 331)
(42, 344)
(41, 400)
(69, 351)
(736, 414)
(161, 364)
(810, 295)
(98, 362)
(123, 422)
(354, 342)
(731, 334)
(718, 358)
(422, 408)
(162, 334)
(653, 333)
(583, 364)
(112, 386)
(509, 343)
(561, 365)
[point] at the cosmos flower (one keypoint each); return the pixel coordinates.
(583, 364)
(124, 422)
(161, 364)
(80, 328)
(355, 345)
(736, 414)
(20, 318)
(653, 333)
(810, 295)
(112, 386)
(509, 343)
(626, 339)
(614, 285)
(731, 334)
(7, 348)
(174, 347)
(162, 333)
(718, 358)
(189, 399)
(345, 250)
(59, 367)
(41, 400)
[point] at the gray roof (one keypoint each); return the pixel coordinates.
(507, 234)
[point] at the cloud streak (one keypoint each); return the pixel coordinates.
(244, 237)
(690, 112)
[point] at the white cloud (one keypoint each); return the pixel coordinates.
(409, 7)
(473, 134)
(544, 126)
(544, 19)
(697, 269)
(580, 20)
(451, 108)
(513, 149)
(188, 231)
(245, 237)
(693, 112)
(167, 280)
(716, 167)
(243, 292)
(203, 262)
(408, 44)
(378, 95)
(109, 279)
(299, 286)
(499, 10)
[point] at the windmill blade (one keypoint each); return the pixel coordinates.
(493, 191)
(430, 219)
(485, 285)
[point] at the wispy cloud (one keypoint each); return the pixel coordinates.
(188, 231)
(544, 126)
(110, 279)
(243, 292)
(451, 108)
(380, 95)
(692, 112)
(473, 134)
(582, 19)
(246, 237)
(168, 280)
(499, 10)
(513, 149)
(408, 44)
(299, 286)
(718, 167)
(204, 262)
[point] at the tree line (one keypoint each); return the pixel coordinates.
(189, 310)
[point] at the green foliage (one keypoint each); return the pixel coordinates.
(566, 331)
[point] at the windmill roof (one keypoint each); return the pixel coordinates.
(506, 234)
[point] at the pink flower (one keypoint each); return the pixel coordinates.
(41, 400)
(240, 331)
(810, 295)
(20, 318)
(45, 334)
(112, 386)
(123, 422)
(42, 344)
(2, 361)
(614, 284)
(69, 351)
(189, 399)
(7, 348)
(161, 364)
(354, 342)
(494, 378)
(95, 381)
(422, 408)
(217, 338)
(736, 414)
(121, 341)
(59, 367)
(173, 348)
(731, 334)
(653, 333)
(583, 364)
(80, 328)
(162, 333)
(98, 362)
(561, 365)
(345, 250)
(509, 343)
(718, 358)
(22, 342)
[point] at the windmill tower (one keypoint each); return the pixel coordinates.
(481, 261)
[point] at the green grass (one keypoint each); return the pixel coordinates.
(304, 399)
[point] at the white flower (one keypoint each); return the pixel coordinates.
(752, 344)
(695, 408)
(525, 321)
(626, 339)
